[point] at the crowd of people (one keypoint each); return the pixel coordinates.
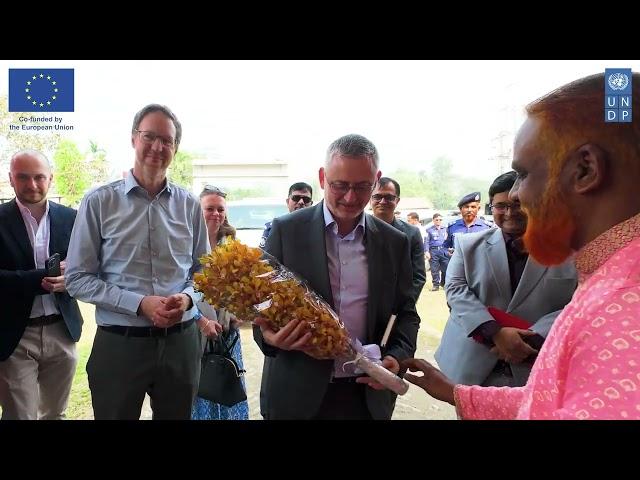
(544, 320)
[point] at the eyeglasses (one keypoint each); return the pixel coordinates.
(149, 138)
(341, 188)
(503, 207)
(296, 198)
(388, 197)
(214, 189)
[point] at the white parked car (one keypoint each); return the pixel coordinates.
(250, 215)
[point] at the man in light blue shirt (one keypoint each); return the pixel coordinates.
(133, 253)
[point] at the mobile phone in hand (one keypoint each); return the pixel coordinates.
(52, 265)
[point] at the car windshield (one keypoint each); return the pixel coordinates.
(253, 216)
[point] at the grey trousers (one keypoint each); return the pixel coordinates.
(121, 369)
(35, 381)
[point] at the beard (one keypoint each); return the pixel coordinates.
(550, 229)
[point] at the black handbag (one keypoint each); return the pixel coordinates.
(220, 376)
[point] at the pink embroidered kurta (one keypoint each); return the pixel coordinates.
(589, 365)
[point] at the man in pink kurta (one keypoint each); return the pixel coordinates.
(577, 181)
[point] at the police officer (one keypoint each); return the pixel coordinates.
(469, 223)
(300, 194)
(436, 252)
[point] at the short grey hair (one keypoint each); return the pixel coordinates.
(31, 153)
(353, 145)
(155, 107)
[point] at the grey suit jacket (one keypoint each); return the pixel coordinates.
(478, 277)
(417, 255)
(293, 383)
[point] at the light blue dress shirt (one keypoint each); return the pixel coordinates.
(349, 277)
(126, 245)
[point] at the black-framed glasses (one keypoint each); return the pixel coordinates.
(305, 199)
(341, 188)
(150, 137)
(503, 207)
(388, 197)
(214, 189)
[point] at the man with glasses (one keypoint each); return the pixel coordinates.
(492, 269)
(361, 266)
(133, 253)
(436, 252)
(469, 223)
(300, 194)
(384, 201)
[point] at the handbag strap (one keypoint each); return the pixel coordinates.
(227, 349)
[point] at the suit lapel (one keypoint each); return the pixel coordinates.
(54, 228)
(373, 248)
(497, 260)
(317, 251)
(531, 275)
(19, 231)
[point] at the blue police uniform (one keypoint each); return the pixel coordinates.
(265, 234)
(439, 256)
(458, 227)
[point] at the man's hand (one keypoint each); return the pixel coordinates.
(293, 336)
(63, 266)
(427, 256)
(388, 362)
(509, 345)
(53, 284)
(171, 310)
(433, 381)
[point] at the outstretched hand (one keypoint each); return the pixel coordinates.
(433, 381)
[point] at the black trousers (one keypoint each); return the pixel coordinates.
(438, 263)
(344, 401)
(121, 369)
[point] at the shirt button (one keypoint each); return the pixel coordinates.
(154, 254)
(152, 227)
(344, 262)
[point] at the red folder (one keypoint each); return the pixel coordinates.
(505, 320)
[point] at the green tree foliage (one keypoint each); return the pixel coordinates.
(97, 164)
(181, 169)
(71, 172)
(440, 185)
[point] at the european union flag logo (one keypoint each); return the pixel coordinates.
(41, 90)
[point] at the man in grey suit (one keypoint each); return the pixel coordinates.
(384, 201)
(361, 267)
(491, 268)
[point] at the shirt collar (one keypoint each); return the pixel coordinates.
(130, 183)
(329, 221)
(25, 211)
(595, 253)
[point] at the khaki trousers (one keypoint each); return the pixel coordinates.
(35, 381)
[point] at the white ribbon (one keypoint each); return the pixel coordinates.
(370, 351)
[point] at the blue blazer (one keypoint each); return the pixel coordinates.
(20, 280)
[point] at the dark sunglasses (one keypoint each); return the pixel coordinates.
(296, 198)
(214, 189)
(389, 197)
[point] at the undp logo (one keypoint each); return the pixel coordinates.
(617, 92)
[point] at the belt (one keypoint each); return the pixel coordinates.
(344, 379)
(146, 331)
(436, 248)
(44, 320)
